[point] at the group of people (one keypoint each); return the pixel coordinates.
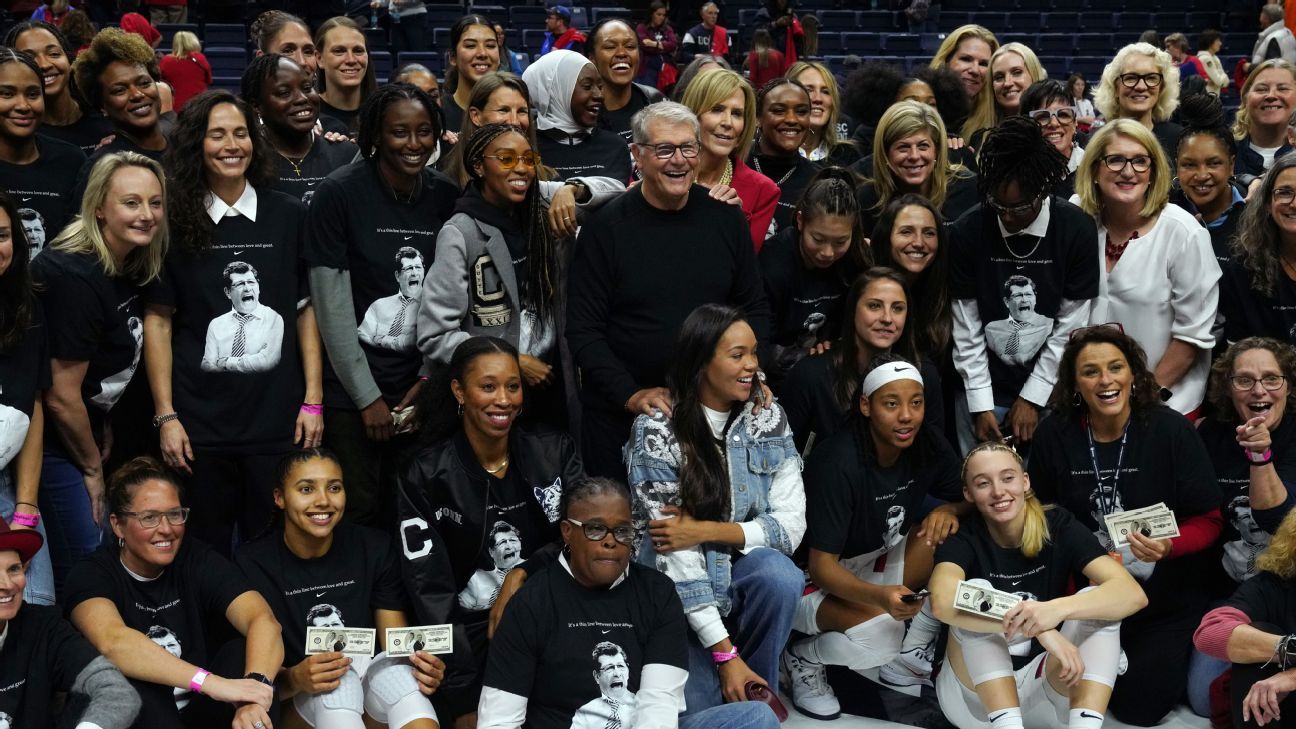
(664, 407)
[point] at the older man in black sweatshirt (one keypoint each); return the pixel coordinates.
(642, 263)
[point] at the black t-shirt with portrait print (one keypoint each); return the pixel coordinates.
(805, 302)
(300, 180)
(356, 224)
(577, 654)
(237, 335)
(85, 133)
(601, 154)
(24, 374)
(357, 576)
(1164, 461)
(1246, 530)
(179, 610)
(1249, 313)
(42, 190)
(855, 507)
(91, 317)
(1061, 265)
(40, 654)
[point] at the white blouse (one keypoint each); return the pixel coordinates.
(1165, 286)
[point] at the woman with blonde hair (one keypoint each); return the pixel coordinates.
(185, 68)
(910, 154)
(827, 138)
(967, 52)
(1142, 83)
(1013, 68)
(726, 110)
(90, 281)
(1160, 278)
(1268, 97)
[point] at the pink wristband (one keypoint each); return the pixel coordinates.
(196, 683)
(27, 520)
(720, 657)
(312, 409)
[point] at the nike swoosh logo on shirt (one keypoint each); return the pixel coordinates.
(606, 632)
(320, 594)
(408, 237)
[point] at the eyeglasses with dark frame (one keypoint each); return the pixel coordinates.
(509, 160)
(1284, 195)
(1020, 209)
(1130, 80)
(1079, 332)
(598, 532)
(688, 150)
(1116, 162)
(1065, 116)
(153, 519)
(1242, 383)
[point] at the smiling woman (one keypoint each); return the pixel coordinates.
(614, 48)
(568, 95)
(346, 79)
(67, 117)
(783, 119)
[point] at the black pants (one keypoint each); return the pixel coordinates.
(227, 490)
(603, 436)
(369, 469)
(1245, 675)
(1157, 649)
(157, 703)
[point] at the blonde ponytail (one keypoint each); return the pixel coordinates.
(1035, 533)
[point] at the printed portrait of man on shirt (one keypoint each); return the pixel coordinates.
(389, 322)
(616, 703)
(1015, 340)
(506, 552)
(249, 337)
(33, 224)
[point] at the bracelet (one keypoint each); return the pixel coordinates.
(1284, 652)
(196, 683)
(722, 657)
(310, 409)
(27, 520)
(1259, 459)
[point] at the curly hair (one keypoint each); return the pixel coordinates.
(1107, 97)
(109, 45)
(1242, 122)
(1256, 243)
(982, 114)
(370, 120)
(541, 291)
(1220, 392)
(187, 188)
(1279, 558)
(930, 316)
(1066, 401)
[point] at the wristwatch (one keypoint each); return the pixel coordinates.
(260, 677)
(160, 420)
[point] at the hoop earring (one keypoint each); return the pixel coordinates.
(120, 542)
(460, 411)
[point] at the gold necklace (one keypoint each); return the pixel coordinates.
(296, 164)
(727, 176)
(498, 468)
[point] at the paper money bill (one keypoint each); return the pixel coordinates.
(984, 601)
(351, 641)
(436, 639)
(1155, 521)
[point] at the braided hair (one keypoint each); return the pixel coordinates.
(540, 293)
(369, 121)
(1015, 151)
(1204, 114)
(832, 192)
(9, 55)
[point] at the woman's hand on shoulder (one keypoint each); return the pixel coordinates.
(726, 194)
(562, 212)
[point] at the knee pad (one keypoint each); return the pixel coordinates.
(338, 708)
(985, 655)
(392, 693)
(879, 637)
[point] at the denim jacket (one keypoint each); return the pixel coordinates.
(766, 493)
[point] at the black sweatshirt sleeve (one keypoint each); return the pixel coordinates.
(588, 301)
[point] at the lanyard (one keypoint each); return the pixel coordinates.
(1107, 503)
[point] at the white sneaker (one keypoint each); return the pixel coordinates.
(811, 694)
(908, 673)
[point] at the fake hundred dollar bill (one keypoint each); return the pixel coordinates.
(436, 639)
(984, 601)
(350, 641)
(1155, 522)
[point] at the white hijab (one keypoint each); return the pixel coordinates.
(551, 81)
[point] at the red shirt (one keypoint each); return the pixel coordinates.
(188, 76)
(774, 68)
(760, 197)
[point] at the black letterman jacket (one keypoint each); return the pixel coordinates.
(546, 462)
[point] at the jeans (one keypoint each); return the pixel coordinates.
(1202, 672)
(66, 514)
(965, 426)
(40, 575)
(745, 715)
(765, 591)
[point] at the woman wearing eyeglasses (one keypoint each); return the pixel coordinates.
(149, 600)
(1141, 83)
(568, 95)
(1251, 439)
(595, 641)
(1258, 289)
(1159, 278)
(1268, 98)
(1049, 104)
(479, 498)
(506, 220)
(1110, 446)
(719, 502)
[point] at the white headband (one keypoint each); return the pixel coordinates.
(886, 374)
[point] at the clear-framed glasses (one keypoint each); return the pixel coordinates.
(151, 519)
(1284, 195)
(1242, 383)
(689, 150)
(1130, 80)
(1021, 209)
(1117, 162)
(1065, 116)
(597, 532)
(508, 160)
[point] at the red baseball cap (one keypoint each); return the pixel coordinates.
(26, 542)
